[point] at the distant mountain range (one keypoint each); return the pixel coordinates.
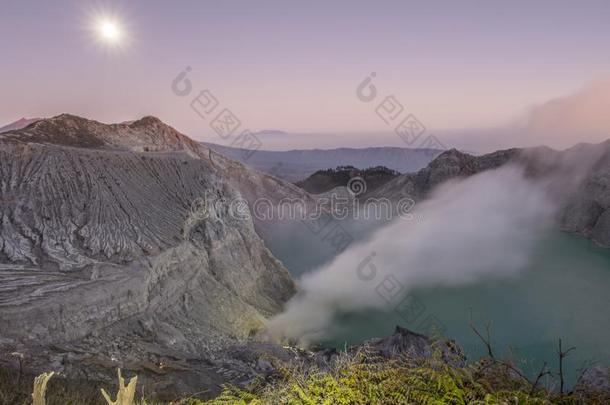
(296, 165)
(271, 132)
(19, 124)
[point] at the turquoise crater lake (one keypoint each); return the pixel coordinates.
(564, 293)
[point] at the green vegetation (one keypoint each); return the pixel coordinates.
(361, 380)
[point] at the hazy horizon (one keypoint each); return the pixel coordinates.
(529, 69)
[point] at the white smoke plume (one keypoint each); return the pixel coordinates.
(480, 227)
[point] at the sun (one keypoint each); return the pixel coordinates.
(109, 31)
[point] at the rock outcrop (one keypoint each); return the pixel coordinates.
(594, 380)
(449, 165)
(118, 246)
(323, 181)
(579, 179)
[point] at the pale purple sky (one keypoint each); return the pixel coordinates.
(295, 66)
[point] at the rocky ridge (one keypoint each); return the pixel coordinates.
(325, 180)
(579, 179)
(118, 247)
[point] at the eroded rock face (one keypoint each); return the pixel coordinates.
(588, 208)
(413, 345)
(117, 244)
(578, 178)
(449, 165)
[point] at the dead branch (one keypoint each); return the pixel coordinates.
(486, 341)
(562, 355)
(541, 374)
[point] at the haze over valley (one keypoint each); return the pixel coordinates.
(272, 203)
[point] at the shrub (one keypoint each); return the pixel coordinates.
(362, 380)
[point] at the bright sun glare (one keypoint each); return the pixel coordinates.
(109, 31)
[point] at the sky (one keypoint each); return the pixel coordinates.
(295, 66)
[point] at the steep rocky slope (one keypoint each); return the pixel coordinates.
(117, 243)
(582, 176)
(578, 177)
(448, 165)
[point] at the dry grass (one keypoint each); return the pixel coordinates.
(40, 388)
(125, 395)
(354, 379)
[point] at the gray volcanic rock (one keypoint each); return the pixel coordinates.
(413, 345)
(450, 164)
(403, 341)
(594, 380)
(118, 246)
(579, 179)
(588, 205)
(147, 134)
